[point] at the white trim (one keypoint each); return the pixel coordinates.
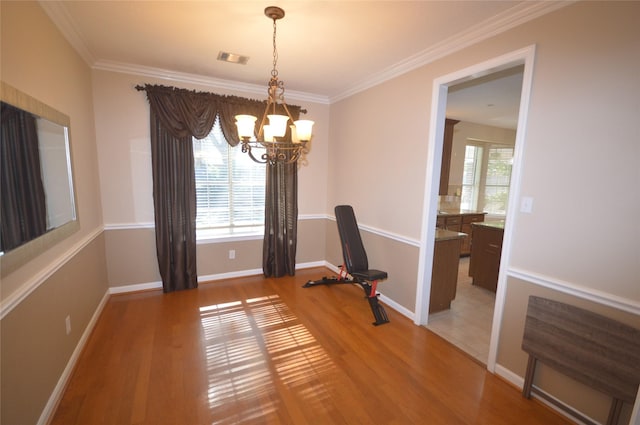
(218, 83)
(397, 307)
(129, 226)
(524, 56)
(151, 224)
(65, 23)
(511, 18)
(240, 237)
(15, 298)
(389, 235)
(502, 22)
(124, 289)
(599, 297)
(518, 381)
(58, 391)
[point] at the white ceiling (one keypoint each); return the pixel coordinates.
(327, 49)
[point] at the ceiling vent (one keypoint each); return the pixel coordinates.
(232, 58)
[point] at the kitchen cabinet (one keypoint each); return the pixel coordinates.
(486, 248)
(467, 221)
(444, 277)
(446, 156)
(460, 222)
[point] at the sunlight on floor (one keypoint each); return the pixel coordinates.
(254, 345)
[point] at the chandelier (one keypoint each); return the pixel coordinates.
(269, 145)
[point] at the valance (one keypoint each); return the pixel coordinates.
(188, 112)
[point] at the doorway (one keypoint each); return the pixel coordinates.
(485, 111)
(522, 58)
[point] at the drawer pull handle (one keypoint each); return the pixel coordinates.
(492, 245)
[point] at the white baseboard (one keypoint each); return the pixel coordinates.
(397, 307)
(518, 381)
(212, 277)
(58, 391)
(135, 288)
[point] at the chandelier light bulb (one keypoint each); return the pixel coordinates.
(246, 125)
(267, 133)
(304, 129)
(278, 124)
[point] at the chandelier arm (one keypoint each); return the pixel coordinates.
(287, 111)
(246, 148)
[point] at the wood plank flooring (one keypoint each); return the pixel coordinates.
(267, 351)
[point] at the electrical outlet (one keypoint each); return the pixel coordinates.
(67, 323)
(232, 254)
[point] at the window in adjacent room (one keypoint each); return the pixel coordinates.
(471, 177)
(486, 178)
(230, 188)
(496, 188)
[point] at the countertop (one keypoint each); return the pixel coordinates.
(492, 224)
(445, 235)
(459, 212)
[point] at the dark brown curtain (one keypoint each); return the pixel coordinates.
(176, 116)
(281, 216)
(281, 220)
(24, 210)
(174, 201)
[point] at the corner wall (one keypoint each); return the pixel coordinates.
(69, 279)
(579, 165)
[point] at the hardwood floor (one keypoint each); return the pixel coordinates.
(256, 351)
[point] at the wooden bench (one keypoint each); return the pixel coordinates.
(595, 350)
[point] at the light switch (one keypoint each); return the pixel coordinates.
(526, 204)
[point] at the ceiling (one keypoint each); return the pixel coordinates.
(327, 50)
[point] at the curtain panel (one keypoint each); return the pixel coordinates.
(177, 115)
(24, 209)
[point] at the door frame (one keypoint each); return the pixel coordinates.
(524, 56)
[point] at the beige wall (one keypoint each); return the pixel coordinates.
(35, 347)
(68, 279)
(579, 163)
(122, 126)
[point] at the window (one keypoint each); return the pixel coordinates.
(230, 187)
(471, 177)
(486, 178)
(496, 188)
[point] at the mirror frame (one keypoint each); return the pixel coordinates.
(17, 257)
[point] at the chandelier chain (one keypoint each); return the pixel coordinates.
(274, 71)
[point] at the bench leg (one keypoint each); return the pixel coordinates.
(528, 377)
(614, 412)
(378, 311)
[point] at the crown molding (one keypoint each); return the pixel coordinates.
(217, 83)
(511, 18)
(65, 24)
(517, 15)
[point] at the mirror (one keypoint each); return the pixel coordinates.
(38, 207)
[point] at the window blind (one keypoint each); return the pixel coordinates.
(229, 185)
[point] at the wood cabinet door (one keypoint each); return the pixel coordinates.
(484, 264)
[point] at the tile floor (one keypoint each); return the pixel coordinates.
(467, 324)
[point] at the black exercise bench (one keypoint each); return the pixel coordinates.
(355, 263)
